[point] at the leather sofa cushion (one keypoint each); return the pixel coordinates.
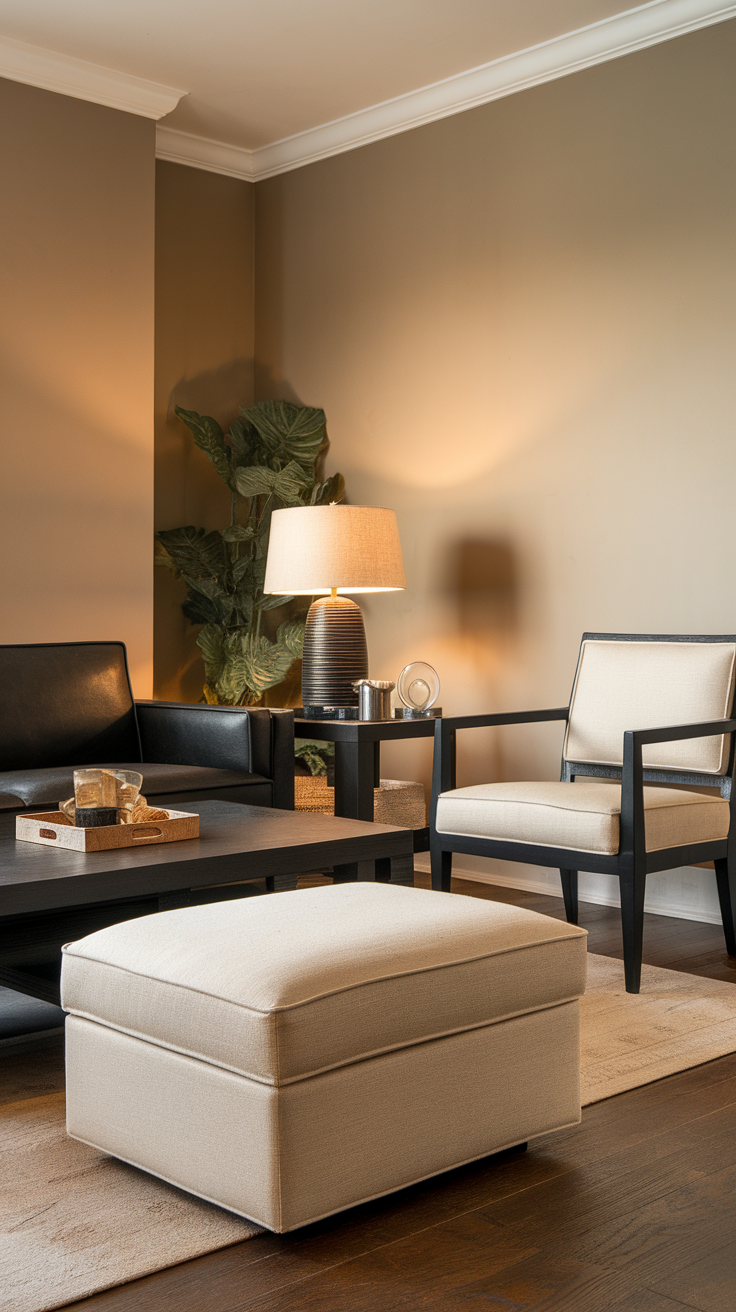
(281, 988)
(54, 785)
(10, 802)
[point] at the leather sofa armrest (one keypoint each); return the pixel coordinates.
(272, 740)
(253, 739)
(186, 733)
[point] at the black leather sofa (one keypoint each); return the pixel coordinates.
(70, 704)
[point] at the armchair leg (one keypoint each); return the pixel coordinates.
(570, 894)
(633, 885)
(726, 883)
(441, 863)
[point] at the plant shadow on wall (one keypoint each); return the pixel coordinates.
(271, 457)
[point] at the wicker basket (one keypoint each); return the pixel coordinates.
(396, 802)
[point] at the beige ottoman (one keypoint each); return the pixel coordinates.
(291, 1055)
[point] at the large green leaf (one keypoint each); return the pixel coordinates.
(324, 494)
(290, 636)
(243, 568)
(245, 443)
(206, 602)
(272, 601)
(297, 430)
(266, 663)
(255, 480)
(287, 484)
(236, 533)
(210, 438)
(210, 642)
(193, 552)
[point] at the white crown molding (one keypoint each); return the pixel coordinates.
(37, 67)
(635, 29)
(204, 153)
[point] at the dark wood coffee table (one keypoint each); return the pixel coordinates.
(49, 896)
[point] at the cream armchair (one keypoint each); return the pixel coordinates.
(649, 711)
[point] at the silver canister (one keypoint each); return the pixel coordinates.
(374, 698)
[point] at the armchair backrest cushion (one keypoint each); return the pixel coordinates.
(630, 684)
(65, 703)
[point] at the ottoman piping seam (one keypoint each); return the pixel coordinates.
(345, 988)
(356, 1060)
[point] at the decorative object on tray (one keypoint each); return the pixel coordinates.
(333, 549)
(55, 829)
(374, 698)
(418, 687)
(108, 797)
(270, 457)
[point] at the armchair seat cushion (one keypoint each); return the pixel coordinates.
(582, 816)
(50, 786)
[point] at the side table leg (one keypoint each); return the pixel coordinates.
(354, 770)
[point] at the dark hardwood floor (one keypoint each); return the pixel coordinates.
(635, 1209)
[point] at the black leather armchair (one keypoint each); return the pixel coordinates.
(64, 705)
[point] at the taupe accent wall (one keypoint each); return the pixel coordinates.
(521, 322)
(204, 362)
(76, 354)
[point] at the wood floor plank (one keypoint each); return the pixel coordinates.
(648, 1300)
(707, 1284)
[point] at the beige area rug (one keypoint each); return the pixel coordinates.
(675, 1022)
(72, 1220)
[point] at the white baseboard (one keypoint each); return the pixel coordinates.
(667, 894)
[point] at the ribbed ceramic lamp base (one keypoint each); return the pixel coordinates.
(335, 653)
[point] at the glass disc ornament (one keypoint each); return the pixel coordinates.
(418, 686)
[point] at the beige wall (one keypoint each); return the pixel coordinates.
(76, 339)
(204, 362)
(521, 323)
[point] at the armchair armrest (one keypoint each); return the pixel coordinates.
(445, 750)
(633, 841)
(453, 722)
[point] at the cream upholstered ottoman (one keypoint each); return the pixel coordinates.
(291, 1055)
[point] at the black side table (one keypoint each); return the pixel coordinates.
(358, 760)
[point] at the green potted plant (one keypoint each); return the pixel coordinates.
(269, 458)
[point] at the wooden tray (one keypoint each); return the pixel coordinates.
(53, 829)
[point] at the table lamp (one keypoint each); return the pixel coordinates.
(333, 549)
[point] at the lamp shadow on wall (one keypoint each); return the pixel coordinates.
(483, 589)
(482, 606)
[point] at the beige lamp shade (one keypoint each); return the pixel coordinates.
(313, 549)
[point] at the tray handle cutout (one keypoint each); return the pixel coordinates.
(149, 832)
(48, 833)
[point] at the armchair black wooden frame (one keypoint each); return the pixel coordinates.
(632, 863)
